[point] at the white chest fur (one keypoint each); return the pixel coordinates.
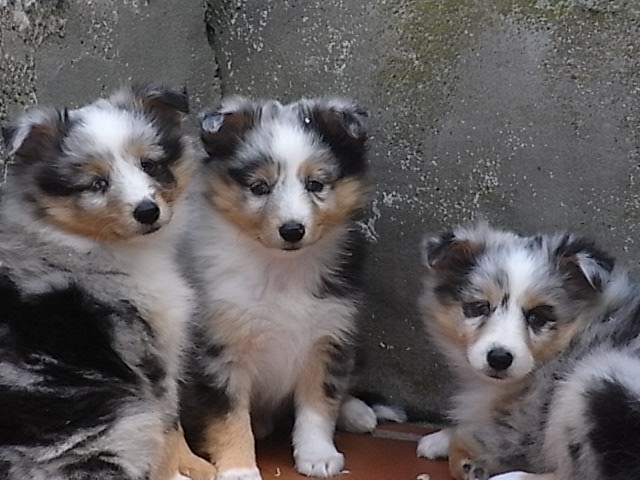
(265, 309)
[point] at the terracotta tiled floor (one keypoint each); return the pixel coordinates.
(388, 454)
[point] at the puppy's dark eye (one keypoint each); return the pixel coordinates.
(540, 316)
(150, 167)
(314, 186)
(260, 188)
(476, 309)
(99, 185)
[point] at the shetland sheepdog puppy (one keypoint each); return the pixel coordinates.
(544, 336)
(276, 257)
(94, 309)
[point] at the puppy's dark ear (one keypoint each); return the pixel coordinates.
(165, 103)
(37, 135)
(446, 252)
(221, 131)
(341, 124)
(585, 267)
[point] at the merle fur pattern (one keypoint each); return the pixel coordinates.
(576, 413)
(292, 304)
(89, 360)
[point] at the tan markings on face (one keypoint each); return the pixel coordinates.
(446, 321)
(97, 167)
(139, 150)
(532, 300)
(348, 196)
(310, 390)
(106, 223)
(310, 169)
(182, 171)
(177, 456)
(554, 342)
(227, 197)
(229, 441)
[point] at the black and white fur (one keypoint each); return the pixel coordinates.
(276, 256)
(543, 334)
(94, 308)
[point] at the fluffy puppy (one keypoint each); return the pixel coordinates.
(282, 185)
(544, 336)
(94, 309)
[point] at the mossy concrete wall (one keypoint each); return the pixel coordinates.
(524, 112)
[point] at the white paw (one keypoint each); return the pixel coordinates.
(435, 445)
(239, 474)
(319, 460)
(356, 416)
(511, 476)
(177, 476)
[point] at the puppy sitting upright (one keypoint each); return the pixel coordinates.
(282, 186)
(93, 309)
(544, 336)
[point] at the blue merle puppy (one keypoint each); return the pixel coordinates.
(93, 308)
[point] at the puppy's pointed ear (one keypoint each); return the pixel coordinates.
(448, 253)
(342, 125)
(221, 130)
(36, 135)
(162, 102)
(585, 267)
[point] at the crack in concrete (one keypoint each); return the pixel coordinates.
(212, 36)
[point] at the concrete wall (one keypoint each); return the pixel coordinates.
(525, 112)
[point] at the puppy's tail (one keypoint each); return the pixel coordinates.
(358, 417)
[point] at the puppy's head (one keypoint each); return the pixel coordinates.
(286, 175)
(109, 171)
(501, 305)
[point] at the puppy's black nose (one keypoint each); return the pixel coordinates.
(292, 231)
(499, 359)
(147, 212)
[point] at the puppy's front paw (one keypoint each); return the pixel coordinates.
(435, 445)
(516, 475)
(470, 470)
(239, 474)
(356, 416)
(319, 460)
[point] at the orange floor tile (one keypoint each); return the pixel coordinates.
(388, 454)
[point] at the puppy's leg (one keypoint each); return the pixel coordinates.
(179, 458)
(318, 396)
(229, 441)
(435, 445)
(463, 454)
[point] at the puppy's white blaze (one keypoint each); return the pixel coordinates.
(134, 185)
(522, 270)
(111, 129)
(507, 330)
(290, 145)
(292, 201)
